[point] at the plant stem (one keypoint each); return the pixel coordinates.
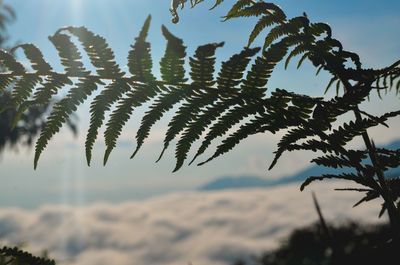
(384, 189)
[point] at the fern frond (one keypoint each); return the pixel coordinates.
(122, 113)
(96, 47)
(258, 76)
(99, 106)
(332, 161)
(305, 56)
(202, 66)
(10, 63)
(257, 9)
(370, 195)
(171, 65)
(162, 104)
(228, 78)
(35, 56)
(265, 21)
(353, 57)
(393, 184)
(319, 70)
(353, 189)
(232, 72)
(243, 132)
(317, 29)
(102, 57)
(43, 94)
(195, 128)
(70, 56)
(240, 112)
(333, 79)
(21, 91)
(217, 3)
(61, 112)
(296, 51)
(316, 145)
(225, 122)
(290, 27)
(348, 131)
(388, 161)
(234, 101)
(23, 88)
(388, 115)
(53, 83)
(240, 4)
(200, 92)
(338, 87)
(5, 81)
(140, 65)
(288, 139)
(139, 58)
(345, 176)
(181, 120)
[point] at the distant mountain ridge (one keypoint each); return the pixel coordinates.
(241, 182)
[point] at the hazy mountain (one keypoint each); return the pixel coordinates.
(237, 183)
(229, 182)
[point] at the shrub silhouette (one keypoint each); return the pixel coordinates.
(355, 244)
(15, 256)
(215, 105)
(323, 243)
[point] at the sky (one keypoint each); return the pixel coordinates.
(137, 209)
(369, 28)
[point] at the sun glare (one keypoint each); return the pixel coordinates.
(76, 9)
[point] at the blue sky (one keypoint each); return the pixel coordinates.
(370, 28)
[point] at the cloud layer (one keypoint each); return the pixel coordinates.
(201, 228)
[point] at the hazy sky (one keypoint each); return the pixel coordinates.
(370, 28)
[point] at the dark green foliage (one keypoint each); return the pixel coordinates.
(31, 122)
(171, 65)
(349, 243)
(22, 124)
(15, 256)
(216, 103)
(199, 93)
(61, 111)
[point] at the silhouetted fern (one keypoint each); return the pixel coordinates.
(215, 103)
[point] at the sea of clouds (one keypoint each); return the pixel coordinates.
(199, 227)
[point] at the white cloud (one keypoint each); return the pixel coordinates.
(198, 227)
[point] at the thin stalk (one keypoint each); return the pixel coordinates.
(384, 189)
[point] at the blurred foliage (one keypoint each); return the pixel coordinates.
(351, 243)
(326, 244)
(7, 16)
(31, 120)
(25, 130)
(15, 256)
(22, 132)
